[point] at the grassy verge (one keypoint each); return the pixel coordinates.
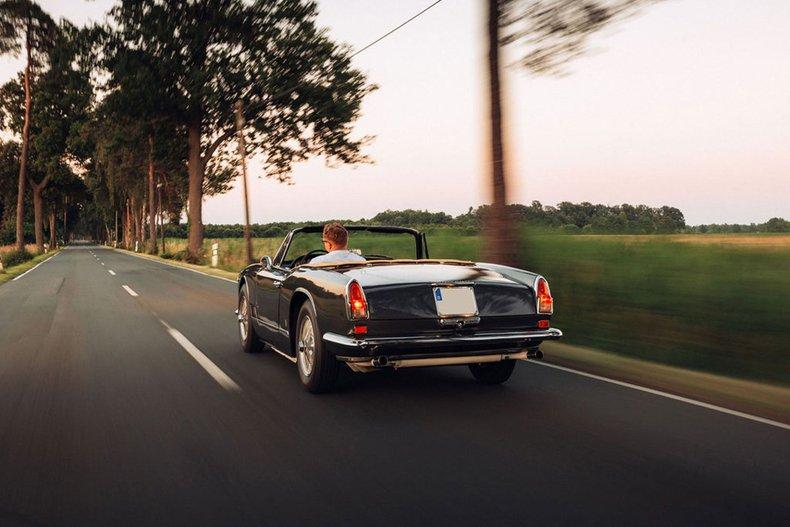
(714, 307)
(758, 398)
(10, 273)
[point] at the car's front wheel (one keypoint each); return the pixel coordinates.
(317, 368)
(493, 372)
(250, 343)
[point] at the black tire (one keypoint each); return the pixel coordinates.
(250, 343)
(319, 375)
(493, 372)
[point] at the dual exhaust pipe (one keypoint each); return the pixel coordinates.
(384, 361)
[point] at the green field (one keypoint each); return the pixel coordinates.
(717, 303)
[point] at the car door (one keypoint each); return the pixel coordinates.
(267, 303)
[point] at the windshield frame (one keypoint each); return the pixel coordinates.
(420, 243)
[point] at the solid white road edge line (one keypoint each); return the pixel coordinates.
(179, 267)
(111, 272)
(32, 268)
(709, 406)
(130, 290)
(211, 368)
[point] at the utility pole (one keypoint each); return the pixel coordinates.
(243, 156)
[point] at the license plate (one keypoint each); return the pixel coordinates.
(455, 301)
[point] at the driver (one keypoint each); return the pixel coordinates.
(335, 240)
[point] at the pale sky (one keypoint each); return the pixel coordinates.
(686, 105)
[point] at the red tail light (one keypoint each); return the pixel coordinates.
(357, 304)
(543, 296)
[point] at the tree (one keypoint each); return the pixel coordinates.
(298, 88)
(135, 100)
(61, 102)
(777, 225)
(24, 24)
(553, 32)
(9, 171)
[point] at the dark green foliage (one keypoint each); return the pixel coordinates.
(13, 258)
(772, 225)
(567, 217)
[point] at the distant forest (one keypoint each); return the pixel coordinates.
(566, 217)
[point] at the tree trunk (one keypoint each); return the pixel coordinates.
(151, 204)
(143, 226)
(20, 198)
(38, 217)
(135, 224)
(195, 198)
(127, 227)
(501, 236)
(53, 240)
(65, 220)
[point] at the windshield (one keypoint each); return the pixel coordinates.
(305, 246)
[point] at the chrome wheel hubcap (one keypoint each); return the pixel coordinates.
(306, 347)
(243, 319)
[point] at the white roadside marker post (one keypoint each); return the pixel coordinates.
(214, 254)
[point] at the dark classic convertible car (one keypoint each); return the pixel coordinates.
(398, 309)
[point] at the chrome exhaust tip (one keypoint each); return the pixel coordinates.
(380, 362)
(534, 353)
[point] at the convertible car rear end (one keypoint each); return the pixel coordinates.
(489, 316)
(396, 310)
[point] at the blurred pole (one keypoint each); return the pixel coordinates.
(501, 236)
(243, 156)
(115, 233)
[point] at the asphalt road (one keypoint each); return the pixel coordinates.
(139, 410)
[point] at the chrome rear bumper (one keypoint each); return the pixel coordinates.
(366, 354)
(373, 343)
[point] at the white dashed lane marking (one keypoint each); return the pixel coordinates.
(212, 369)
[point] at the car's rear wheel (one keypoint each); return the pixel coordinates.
(317, 368)
(250, 343)
(493, 372)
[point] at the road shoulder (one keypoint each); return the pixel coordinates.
(765, 400)
(202, 269)
(10, 273)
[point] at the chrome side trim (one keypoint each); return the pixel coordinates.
(370, 365)
(292, 359)
(342, 340)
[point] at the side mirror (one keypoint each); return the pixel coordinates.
(266, 262)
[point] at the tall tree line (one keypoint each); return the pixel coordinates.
(140, 110)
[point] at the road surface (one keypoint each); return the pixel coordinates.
(125, 400)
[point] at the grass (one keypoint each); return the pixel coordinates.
(9, 273)
(716, 307)
(714, 303)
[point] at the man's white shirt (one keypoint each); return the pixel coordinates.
(341, 256)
